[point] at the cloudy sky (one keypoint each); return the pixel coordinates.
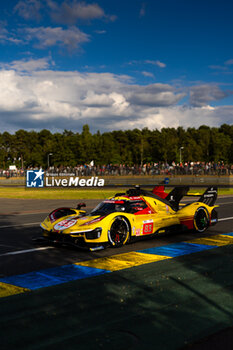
(115, 64)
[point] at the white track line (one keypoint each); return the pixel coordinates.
(7, 246)
(224, 219)
(26, 251)
(225, 203)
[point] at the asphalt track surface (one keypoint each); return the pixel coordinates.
(182, 302)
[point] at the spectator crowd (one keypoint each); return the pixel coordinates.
(161, 168)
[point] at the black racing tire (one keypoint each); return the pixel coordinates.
(201, 219)
(119, 232)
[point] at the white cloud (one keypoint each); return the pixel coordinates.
(44, 37)
(29, 65)
(29, 9)
(93, 99)
(217, 67)
(229, 62)
(70, 38)
(225, 68)
(100, 31)
(157, 118)
(202, 95)
(150, 62)
(156, 63)
(5, 36)
(148, 74)
(67, 100)
(15, 95)
(71, 12)
(154, 95)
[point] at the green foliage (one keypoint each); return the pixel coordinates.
(31, 148)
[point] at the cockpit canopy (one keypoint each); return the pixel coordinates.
(112, 205)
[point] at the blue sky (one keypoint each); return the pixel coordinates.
(115, 64)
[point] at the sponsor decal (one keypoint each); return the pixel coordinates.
(93, 221)
(148, 221)
(35, 178)
(161, 231)
(114, 201)
(64, 224)
(147, 227)
(138, 232)
(208, 195)
(135, 198)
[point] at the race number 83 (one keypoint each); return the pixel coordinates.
(147, 228)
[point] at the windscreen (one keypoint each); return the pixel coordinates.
(111, 206)
(108, 207)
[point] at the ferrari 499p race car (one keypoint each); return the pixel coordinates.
(136, 213)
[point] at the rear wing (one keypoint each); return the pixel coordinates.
(209, 196)
(174, 197)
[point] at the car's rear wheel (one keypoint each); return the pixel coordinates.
(201, 219)
(119, 232)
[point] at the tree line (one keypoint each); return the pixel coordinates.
(32, 149)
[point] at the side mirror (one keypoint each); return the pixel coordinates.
(80, 205)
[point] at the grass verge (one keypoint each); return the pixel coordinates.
(24, 193)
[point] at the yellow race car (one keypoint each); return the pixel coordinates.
(136, 213)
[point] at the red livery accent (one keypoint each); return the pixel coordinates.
(159, 191)
(142, 211)
(188, 223)
(147, 228)
(93, 221)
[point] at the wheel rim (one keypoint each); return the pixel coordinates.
(201, 220)
(119, 232)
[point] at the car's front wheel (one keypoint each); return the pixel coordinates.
(201, 219)
(119, 232)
